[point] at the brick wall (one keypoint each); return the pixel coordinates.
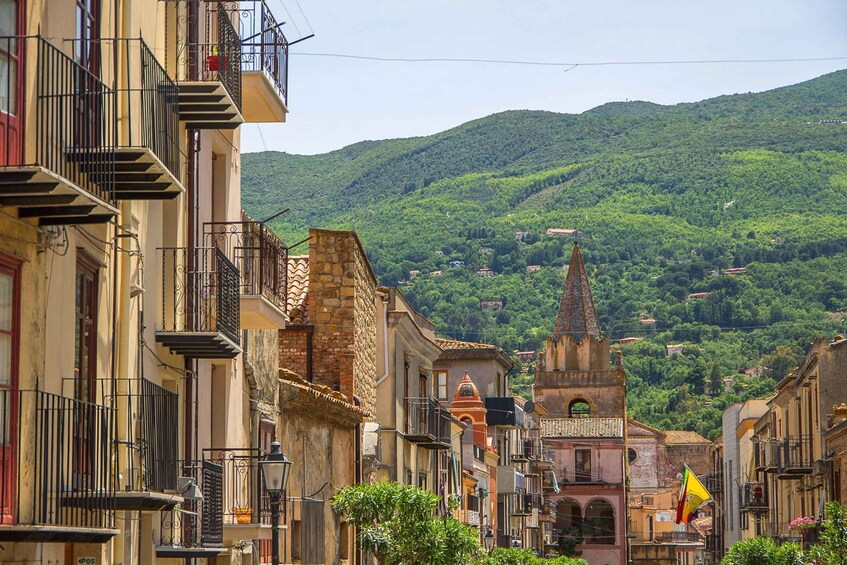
(293, 344)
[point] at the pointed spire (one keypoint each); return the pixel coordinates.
(577, 317)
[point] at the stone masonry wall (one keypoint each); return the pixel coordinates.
(342, 309)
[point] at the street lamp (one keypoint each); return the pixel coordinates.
(488, 540)
(275, 470)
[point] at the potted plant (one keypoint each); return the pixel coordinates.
(243, 515)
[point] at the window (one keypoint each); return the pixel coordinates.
(422, 481)
(441, 383)
(422, 388)
(600, 523)
(582, 465)
(579, 409)
(9, 339)
(87, 12)
(85, 367)
(11, 83)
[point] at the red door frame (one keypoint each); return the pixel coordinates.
(10, 266)
(12, 124)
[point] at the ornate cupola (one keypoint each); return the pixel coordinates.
(468, 405)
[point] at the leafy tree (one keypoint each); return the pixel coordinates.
(832, 549)
(763, 551)
(715, 382)
(517, 556)
(397, 524)
(779, 362)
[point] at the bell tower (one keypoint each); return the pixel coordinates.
(576, 365)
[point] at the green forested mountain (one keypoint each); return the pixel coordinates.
(666, 199)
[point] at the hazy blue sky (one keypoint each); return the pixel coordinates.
(336, 102)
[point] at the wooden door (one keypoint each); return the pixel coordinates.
(9, 346)
(11, 82)
(85, 373)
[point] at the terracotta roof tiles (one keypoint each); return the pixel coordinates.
(681, 436)
(582, 427)
(456, 344)
(298, 289)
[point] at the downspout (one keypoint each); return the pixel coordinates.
(384, 297)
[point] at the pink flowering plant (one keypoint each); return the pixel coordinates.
(802, 523)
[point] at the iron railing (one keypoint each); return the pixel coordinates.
(261, 257)
(200, 290)
(713, 482)
(427, 418)
(56, 461)
(157, 438)
(795, 455)
(588, 476)
(753, 497)
(765, 454)
(196, 523)
(212, 54)
(74, 128)
(245, 500)
(264, 47)
(677, 537)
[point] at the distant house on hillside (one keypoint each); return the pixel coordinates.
(485, 272)
(675, 349)
(521, 235)
(777, 240)
(533, 268)
(736, 271)
(491, 304)
(559, 232)
(696, 295)
(436, 273)
(648, 321)
(756, 371)
(525, 356)
(626, 340)
(414, 272)
(457, 263)
(486, 250)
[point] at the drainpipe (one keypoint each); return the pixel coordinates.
(384, 297)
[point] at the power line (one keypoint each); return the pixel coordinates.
(566, 64)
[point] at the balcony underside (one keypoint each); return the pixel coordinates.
(793, 472)
(259, 313)
(428, 441)
(263, 102)
(55, 534)
(188, 552)
(207, 105)
(139, 500)
(202, 345)
(247, 531)
(53, 199)
(139, 173)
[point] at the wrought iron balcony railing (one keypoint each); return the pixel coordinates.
(588, 476)
(205, 63)
(195, 528)
(678, 537)
(262, 259)
(56, 130)
(200, 306)
(765, 455)
(245, 501)
(427, 422)
(151, 458)
(795, 456)
(56, 472)
(754, 497)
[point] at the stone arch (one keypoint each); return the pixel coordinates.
(568, 516)
(580, 408)
(599, 523)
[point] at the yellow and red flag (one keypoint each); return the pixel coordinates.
(692, 494)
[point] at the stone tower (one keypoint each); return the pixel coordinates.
(576, 365)
(467, 405)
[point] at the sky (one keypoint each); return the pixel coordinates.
(334, 102)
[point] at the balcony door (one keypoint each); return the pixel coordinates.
(85, 371)
(88, 99)
(9, 340)
(582, 465)
(11, 81)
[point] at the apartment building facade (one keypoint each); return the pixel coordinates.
(123, 310)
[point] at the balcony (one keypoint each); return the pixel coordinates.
(504, 411)
(151, 461)
(570, 477)
(427, 423)
(246, 505)
(765, 455)
(55, 167)
(519, 504)
(509, 480)
(795, 457)
(753, 498)
(200, 303)
(713, 483)
(261, 258)
(195, 528)
(678, 537)
(203, 53)
(264, 61)
(56, 474)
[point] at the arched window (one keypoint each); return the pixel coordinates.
(632, 455)
(568, 530)
(579, 409)
(599, 524)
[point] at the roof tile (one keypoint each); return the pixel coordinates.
(582, 427)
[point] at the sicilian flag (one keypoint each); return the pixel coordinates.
(692, 494)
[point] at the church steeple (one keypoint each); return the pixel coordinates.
(576, 317)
